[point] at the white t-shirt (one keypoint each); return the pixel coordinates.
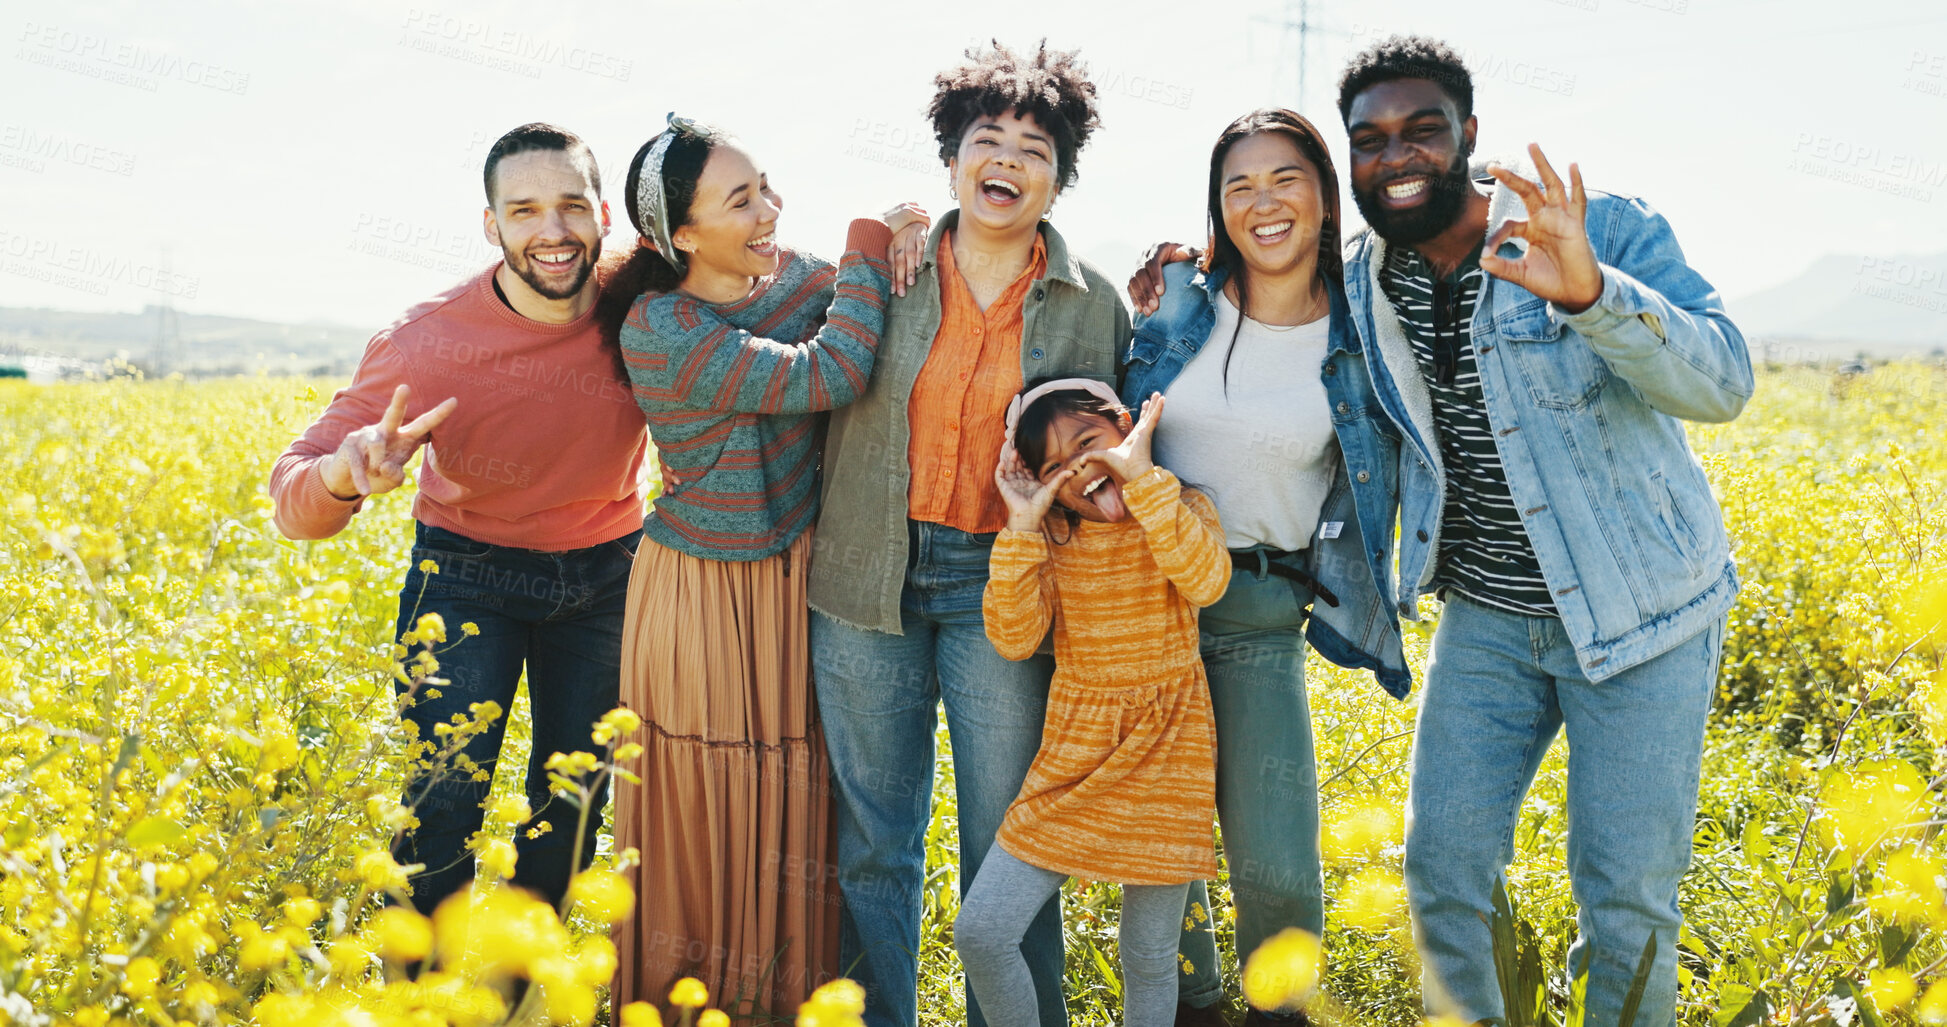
(1263, 450)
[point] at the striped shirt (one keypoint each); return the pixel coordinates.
(731, 390)
(1485, 553)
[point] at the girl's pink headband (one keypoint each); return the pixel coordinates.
(1019, 403)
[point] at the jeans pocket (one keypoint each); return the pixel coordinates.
(436, 541)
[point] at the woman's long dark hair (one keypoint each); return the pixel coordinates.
(1222, 251)
(642, 269)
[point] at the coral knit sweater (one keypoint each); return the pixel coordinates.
(1125, 784)
(545, 450)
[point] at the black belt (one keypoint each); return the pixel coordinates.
(1267, 559)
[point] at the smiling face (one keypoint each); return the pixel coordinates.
(1273, 203)
(732, 227)
(1005, 173)
(1093, 494)
(548, 220)
(1409, 158)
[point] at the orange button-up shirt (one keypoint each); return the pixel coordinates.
(958, 410)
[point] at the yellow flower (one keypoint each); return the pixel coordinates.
(1373, 900)
(1933, 1005)
(1283, 971)
(497, 856)
(713, 1018)
(400, 934)
(688, 992)
(431, 625)
(494, 932)
(1890, 989)
(838, 1003)
(140, 977)
(428, 567)
(604, 895)
(469, 629)
(641, 1014)
(379, 872)
(1874, 802)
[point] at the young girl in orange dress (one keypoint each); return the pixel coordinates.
(1124, 784)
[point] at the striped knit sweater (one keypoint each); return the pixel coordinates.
(731, 392)
(1125, 784)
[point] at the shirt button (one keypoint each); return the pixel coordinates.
(1331, 369)
(977, 331)
(1420, 534)
(963, 376)
(946, 474)
(956, 427)
(1364, 477)
(1035, 353)
(1344, 407)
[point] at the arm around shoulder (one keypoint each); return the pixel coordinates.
(680, 350)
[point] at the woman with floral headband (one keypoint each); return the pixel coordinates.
(911, 515)
(734, 346)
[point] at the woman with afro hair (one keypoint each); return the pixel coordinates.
(911, 512)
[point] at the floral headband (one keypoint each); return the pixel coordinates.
(651, 196)
(1020, 403)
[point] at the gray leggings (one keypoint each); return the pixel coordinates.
(1006, 895)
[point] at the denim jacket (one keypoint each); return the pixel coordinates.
(1361, 631)
(1587, 411)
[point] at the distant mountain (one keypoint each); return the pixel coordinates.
(200, 342)
(1885, 306)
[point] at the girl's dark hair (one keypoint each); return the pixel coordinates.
(1050, 86)
(1031, 431)
(642, 269)
(1222, 251)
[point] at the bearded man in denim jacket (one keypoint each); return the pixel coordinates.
(1549, 497)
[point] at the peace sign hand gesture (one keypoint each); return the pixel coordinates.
(372, 460)
(1560, 265)
(1028, 499)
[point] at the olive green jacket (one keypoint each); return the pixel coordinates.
(1075, 326)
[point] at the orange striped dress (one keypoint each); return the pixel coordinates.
(1125, 785)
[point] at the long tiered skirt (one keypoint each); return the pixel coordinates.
(737, 885)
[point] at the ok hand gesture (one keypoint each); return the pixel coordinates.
(1559, 266)
(1028, 498)
(372, 460)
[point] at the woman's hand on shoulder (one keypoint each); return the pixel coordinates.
(1146, 285)
(909, 223)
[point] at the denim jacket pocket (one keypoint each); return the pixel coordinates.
(1676, 524)
(1559, 369)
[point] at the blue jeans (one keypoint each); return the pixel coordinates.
(878, 695)
(1253, 642)
(1498, 688)
(560, 616)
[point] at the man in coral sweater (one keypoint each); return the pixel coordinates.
(530, 501)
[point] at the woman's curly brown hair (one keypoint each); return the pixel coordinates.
(1050, 86)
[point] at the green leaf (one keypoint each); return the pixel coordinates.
(1895, 943)
(155, 831)
(1844, 989)
(1754, 1013)
(1109, 975)
(1634, 997)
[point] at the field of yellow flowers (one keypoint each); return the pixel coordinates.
(200, 760)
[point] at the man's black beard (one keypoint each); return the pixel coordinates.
(525, 269)
(1418, 224)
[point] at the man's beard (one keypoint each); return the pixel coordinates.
(1446, 200)
(524, 267)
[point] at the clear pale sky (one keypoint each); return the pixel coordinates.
(303, 161)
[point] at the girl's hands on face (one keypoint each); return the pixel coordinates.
(1028, 498)
(1130, 460)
